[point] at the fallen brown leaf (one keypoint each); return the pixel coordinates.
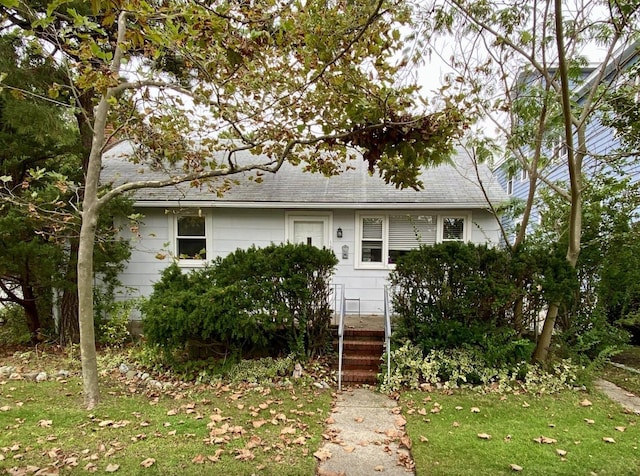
(322, 454)
(148, 462)
(585, 403)
(561, 452)
(621, 428)
(112, 468)
(244, 455)
(515, 467)
(608, 439)
(545, 440)
(484, 436)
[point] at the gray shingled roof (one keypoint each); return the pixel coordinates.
(447, 186)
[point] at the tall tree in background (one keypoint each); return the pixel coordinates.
(287, 80)
(40, 151)
(517, 65)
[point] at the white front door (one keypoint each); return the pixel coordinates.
(309, 232)
(309, 228)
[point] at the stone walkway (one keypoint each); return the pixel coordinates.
(628, 400)
(365, 436)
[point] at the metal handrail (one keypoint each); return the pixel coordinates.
(387, 331)
(340, 335)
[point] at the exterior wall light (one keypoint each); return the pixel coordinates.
(339, 233)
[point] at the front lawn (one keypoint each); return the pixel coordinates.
(466, 433)
(186, 429)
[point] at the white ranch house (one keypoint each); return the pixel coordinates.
(366, 222)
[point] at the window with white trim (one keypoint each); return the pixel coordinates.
(373, 231)
(560, 149)
(453, 229)
(385, 237)
(191, 237)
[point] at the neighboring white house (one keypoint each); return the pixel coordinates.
(366, 222)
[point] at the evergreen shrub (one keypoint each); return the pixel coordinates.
(264, 301)
(452, 295)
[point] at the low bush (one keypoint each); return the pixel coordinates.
(112, 330)
(258, 301)
(13, 326)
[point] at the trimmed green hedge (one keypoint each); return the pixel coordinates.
(269, 301)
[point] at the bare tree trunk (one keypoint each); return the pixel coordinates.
(68, 327)
(518, 321)
(544, 340)
(91, 204)
(31, 313)
(574, 164)
(85, 301)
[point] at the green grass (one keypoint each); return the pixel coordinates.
(630, 381)
(447, 443)
(630, 357)
(279, 429)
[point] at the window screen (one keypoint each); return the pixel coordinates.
(452, 229)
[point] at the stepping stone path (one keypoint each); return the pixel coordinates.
(365, 436)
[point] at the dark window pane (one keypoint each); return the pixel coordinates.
(191, 226)
(192, 248)
(395, 254)
(372, 251)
